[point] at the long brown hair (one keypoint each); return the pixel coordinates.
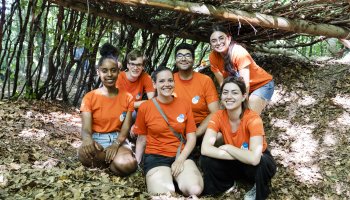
(229, 67)
(240, 83)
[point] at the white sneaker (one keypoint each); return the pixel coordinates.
(251, 194)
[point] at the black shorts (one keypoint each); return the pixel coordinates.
(155, 160)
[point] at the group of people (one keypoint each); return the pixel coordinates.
(183, 114)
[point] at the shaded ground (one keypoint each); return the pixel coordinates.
(307, 127)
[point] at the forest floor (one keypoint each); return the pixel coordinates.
(307, 126)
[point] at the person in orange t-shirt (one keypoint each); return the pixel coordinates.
(162, 164)
(135, 80)
(244, 154)
(231, 59)
(106, 117)
(196, 88)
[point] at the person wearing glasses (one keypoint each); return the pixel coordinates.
(244, 154)
(230, 59)
(106, 117)
(196, 88)
(135, 80)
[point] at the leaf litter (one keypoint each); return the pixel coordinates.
(307, 125)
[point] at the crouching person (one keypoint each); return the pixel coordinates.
(106, 118)
(244, 154)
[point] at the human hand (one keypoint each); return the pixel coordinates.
(132, 133)
(177, 167)
(88, 147)
(111, 152)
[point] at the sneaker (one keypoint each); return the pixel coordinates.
(251, 194)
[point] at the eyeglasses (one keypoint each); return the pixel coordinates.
(181, 56)
(138, 65)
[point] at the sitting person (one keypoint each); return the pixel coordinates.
(106, 118)
(135, 80)
(231, 59)
(163, 162)
(244, 154)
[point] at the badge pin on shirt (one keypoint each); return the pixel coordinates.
(122, 116)
(181, 118)
(195, 99)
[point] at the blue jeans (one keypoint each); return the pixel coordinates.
(107, 139)
(265, 91)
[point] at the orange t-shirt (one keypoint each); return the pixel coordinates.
(160, 139)
(199, 91)
(241, 58)
(136, 89)
(108, 113)
(250, 125)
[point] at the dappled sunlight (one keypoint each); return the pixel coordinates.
(342, 100)
(48, 164)
(344, 119)
(307, 174)
(329, 139)
(76, 144)
(32, 133)
(307, 100)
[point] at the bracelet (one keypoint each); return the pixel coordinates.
(116, 142)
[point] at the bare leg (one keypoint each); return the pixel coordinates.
(124, 163)
(160, 180)
(257, 103)
(190, 180)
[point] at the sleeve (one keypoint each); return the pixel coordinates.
(86, 103)
(190, 124)
(211, 94)
(213, 63)
(118, 82)
(148, 85)
(255, 127)
(140, 124)
(214, 122)
(130, 102)
(241, 57)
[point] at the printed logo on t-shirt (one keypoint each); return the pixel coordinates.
(245, 146)
(195, 99)
(122, 116)
(138, 96)
(181, 118)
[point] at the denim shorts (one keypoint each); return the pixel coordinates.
(265, 91)
(107, 139)
(154, 160)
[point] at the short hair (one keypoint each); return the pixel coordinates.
(185, 46)
(134, 54)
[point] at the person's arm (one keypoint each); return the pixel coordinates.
(244, 73)
(177, 166)
(208, 148)
(88, 146)
(140, 147)
(219, 77)
(251, 156)
(213, 107)
(345, 42)
(150, 95)
(112, 150)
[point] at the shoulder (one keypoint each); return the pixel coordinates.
(250, 115)
(239, 49)
(213, 56)
(198, 75)
(144, 75)
(125, 95)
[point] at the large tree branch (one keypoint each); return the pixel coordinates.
(258, 19)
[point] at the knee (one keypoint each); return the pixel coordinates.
(195, 189)
(124, 165)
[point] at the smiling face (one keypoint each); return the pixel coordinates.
(231, 96)
(184, 59)
(108, 72)
(219, 41)
(164, 83)
(135, 67)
